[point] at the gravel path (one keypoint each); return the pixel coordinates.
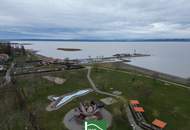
(95, 88)
(131, 120)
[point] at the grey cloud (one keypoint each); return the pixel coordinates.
(97, 18)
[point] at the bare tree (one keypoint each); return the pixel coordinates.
(23, 50)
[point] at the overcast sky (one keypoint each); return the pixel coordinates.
(101, 19)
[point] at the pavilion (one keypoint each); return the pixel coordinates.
(159, 123)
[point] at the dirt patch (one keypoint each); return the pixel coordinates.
(108, 100)
(117, 92)
(56, 80)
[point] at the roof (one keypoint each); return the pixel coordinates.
(134, 102)
(4, 56)
(138, 109)
(159, 123)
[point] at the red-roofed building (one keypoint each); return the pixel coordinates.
(159, 123)
(134, 102)
(138, 109)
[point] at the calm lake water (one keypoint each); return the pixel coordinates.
(168, 57)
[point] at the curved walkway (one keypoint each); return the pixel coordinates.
(129, 113)
(95, 88)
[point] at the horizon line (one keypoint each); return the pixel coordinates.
(100, 40)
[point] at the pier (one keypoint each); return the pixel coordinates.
(123, 57)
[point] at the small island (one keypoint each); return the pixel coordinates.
(25, 44)
(69, 49)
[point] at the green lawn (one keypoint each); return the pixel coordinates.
(1, 78)
(37, 89)
(11, 118)
(166, 102)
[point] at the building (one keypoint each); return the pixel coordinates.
(3, 57)
(138, 115)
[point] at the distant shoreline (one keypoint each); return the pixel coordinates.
(106, 40)
(152, 73)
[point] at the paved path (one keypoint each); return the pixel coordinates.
(131, 120)
(129, 114)
(7, 77)
(95, 88)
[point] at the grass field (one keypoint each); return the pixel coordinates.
(166, 102)
(36, 89)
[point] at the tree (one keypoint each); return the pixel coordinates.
(133, 79)
(9, 51)
(188, 81)
(23, 50)
(5, 48)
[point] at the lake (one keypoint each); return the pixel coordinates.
(168, 57)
